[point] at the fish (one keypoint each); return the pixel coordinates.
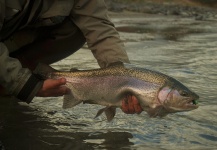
(158, 94)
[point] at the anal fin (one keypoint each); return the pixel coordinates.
(109, 112)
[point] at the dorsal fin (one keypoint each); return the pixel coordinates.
(115, 64)
(74, 69)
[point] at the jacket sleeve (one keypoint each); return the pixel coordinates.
(91, 17)
(18, 81)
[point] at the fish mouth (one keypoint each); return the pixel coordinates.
(192, 104)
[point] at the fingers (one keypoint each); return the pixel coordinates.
(52, 83)
(137, 107)
(124, 106)
(130, 105)
(53, 88)
(54, 92)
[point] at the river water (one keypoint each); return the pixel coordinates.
(183, 48)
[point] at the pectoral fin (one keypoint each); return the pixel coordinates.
(158, 111)
(70, 101)
(109, 112)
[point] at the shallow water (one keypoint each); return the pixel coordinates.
(180, 47)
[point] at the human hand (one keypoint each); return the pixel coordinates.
(130, 105)
(53, 88)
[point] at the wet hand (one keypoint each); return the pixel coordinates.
(130, 105)
(53, 88)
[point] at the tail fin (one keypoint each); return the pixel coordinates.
(43, 70)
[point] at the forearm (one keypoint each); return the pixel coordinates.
(102, 38)
(18, 81)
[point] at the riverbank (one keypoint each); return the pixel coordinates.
(183, 8)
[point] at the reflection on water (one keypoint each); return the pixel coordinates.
(190, 56)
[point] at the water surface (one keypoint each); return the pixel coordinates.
(183, 48)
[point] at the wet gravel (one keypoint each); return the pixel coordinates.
(199, 13)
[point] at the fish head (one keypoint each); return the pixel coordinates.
(177, 98)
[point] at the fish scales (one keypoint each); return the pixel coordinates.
(157, 93)
(142, 74)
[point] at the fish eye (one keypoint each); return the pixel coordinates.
(183, 93)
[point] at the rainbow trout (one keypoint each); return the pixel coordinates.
(157, 93)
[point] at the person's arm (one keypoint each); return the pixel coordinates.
(21, 83)
(91, 17)
(17, 81)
